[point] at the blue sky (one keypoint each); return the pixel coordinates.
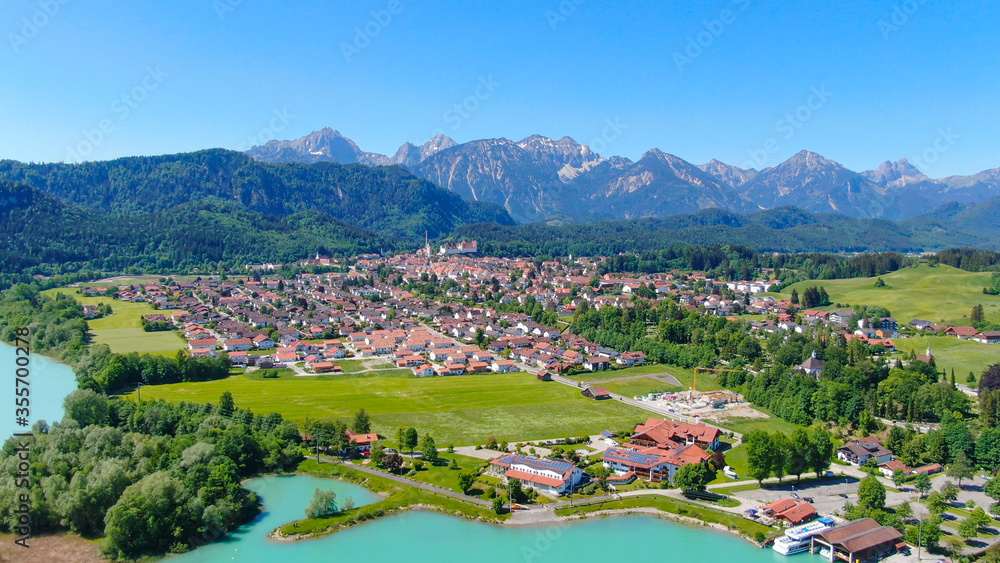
(748, 82)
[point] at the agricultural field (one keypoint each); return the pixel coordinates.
(458, 410)
(962, 355)
(122, 331)
(640, 387)
(940, 294)
(706, 381)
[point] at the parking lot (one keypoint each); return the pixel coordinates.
(827, 496)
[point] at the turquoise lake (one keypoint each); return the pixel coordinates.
(49, 382)
(420, 536)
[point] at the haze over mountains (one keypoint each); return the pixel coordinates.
(538, 179)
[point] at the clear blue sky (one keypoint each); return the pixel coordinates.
(220, 71)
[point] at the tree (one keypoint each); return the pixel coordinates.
(226, 404)
(880, 282)
(602, 479)
(871, 493)
(795, 297)
(922, 483)
(498, 505)
(514, 491)
(976, 315)
(936, 502)
(898, 478)
(980, 518)
(410, 439)
(960, 468)
(692, 477)
(760, 454)
(949, 491)
(797, 461)
(821, 450)
(377, 454)
(361, 424)
(393, 462)
(992, 489)
(86, 407)
(428, 448)
(149, 516)
(968, 529)
(780, 454)
(323, 504)
(466, 481)
(904, 511)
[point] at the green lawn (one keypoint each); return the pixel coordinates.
(962, 355)
(939, 294)
(706, 381)
(746, 425)
(455, 410)
(442, 475)
(737, 459)
(122, 331)
(640, 387)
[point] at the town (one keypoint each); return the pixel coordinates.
(454, 313)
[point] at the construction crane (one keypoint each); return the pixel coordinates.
(694, 385)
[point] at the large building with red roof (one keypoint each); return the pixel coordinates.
(553, 476)
(654, 464)
(671, 433)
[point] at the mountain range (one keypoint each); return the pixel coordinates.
(555, 181)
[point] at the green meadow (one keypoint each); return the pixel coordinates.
(122, 331)
(962, 355)
(456, 410)
(940, 294)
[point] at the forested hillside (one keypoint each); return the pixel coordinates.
(388, 200)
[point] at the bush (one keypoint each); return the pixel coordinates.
(760, 537)
(418, 465)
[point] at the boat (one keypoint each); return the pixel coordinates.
(825, 552)
(797, 539)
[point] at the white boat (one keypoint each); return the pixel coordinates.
(796, 540)
(825, 552)
(787, 546)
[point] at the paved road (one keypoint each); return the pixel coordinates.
(413, 483)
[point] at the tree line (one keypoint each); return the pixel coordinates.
(147, 478)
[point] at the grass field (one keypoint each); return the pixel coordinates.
(963, 355)
(442, 475)
(939, 294)
(706, 381)
(746, 425)
(640, 387)
(122, 331)
(455, 410)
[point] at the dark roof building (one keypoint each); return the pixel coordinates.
(596, 392)
(860, 540)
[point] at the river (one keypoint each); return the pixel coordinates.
(420, 536)
(49, 382)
